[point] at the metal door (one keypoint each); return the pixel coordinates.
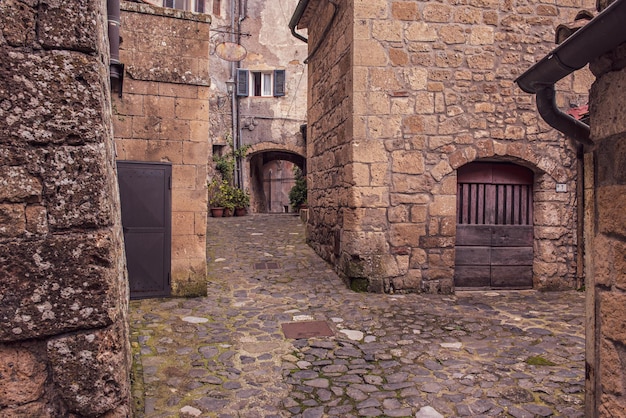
(494, 238)
(145, 194)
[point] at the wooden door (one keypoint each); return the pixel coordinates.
(145, 197)
(494, 238)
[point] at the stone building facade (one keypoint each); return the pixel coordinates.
(63, 293)
(404, 94)
(605, 188)
(268, 122)
(163, 117)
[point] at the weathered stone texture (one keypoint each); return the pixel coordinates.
(430, 88)
(163, 116)
(607, 235)
(61, 250)
(32, 115)
(57, 284)
(83, 368)
(168, 45)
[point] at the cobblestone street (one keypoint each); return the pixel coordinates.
(514, 353)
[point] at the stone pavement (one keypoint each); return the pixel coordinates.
(518, 353)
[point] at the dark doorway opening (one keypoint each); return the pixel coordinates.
(273, 174)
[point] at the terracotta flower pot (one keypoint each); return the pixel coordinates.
(217, 212)
(240, 211)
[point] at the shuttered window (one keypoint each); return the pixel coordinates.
(242, 83)
(279, 83)
(260, 83)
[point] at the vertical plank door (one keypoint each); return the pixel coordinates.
(494, 241)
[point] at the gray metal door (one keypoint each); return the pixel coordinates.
(145, 195)
(494, 234)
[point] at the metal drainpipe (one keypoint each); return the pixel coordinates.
(234, 98)
(116, 68)
(241, 16)
(602, 34)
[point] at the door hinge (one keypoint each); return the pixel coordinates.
(169, 279)
(169, 182)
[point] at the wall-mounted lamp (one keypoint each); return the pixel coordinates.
(230, 86)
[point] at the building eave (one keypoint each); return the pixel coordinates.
(602, 34)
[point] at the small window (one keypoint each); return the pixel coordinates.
(260, 83)
(189, 5)
(217, 7)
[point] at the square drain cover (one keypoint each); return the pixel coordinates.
(306, 329)
(266, 265)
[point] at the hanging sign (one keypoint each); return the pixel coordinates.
(230, 51)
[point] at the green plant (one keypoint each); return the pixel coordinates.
(240, 198)
(225, 164)
(220, 194)
(298, 193)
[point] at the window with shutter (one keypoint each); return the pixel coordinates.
(279, 83)
(242, 83)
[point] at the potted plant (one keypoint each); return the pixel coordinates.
(241, 201)
(218, 197)
(298, 193)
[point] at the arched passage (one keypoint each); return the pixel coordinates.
(271, 177)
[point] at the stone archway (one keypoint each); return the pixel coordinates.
(271, 178)
(554, 208)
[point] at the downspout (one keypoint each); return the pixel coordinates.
(234, 102)
(298, 15)
(602, 34)
(116, 68)
(295, 19)
(242, 11)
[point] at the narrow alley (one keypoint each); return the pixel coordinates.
(280, 335)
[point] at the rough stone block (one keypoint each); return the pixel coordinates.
(452, 34)
(62, 105)
(407, 162)
(404, 10)
(369, 53)
(195, 153)
(421, 32)
(12, 220)
(90, 370)
(192, 109)
(406, 234)
(17, 23)
(369, 9)
(69, 25)
(439, 13)
(607, 107)
(189, 200)
(612, 315)
(610, 215)
(23, 374)
(188, 246)
(58, 284)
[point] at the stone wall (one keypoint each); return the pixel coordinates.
(63, 294)
(606, 273)
(163, 116)
(413, 91)
(330, 125)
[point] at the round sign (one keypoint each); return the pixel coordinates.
(230, 51)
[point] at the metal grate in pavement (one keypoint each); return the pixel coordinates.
(306, 329)
(266, 265)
